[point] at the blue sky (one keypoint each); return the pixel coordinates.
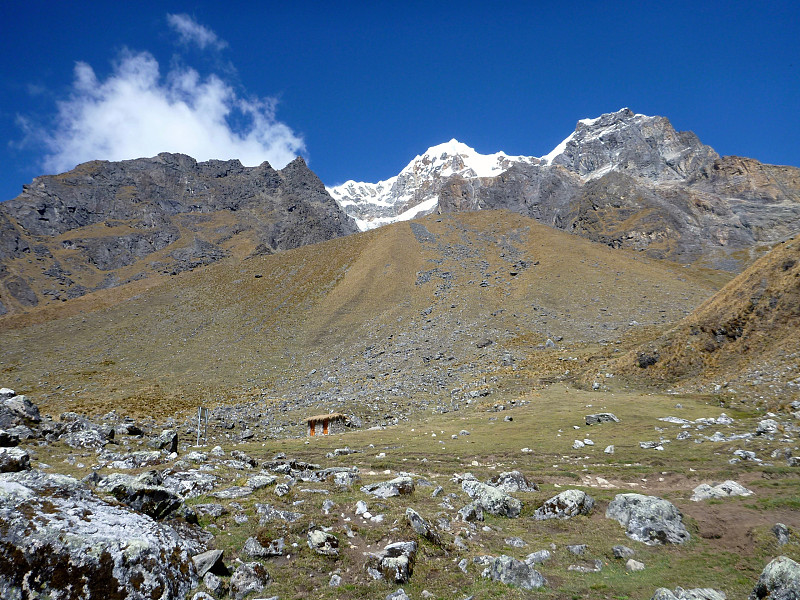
(359, 89)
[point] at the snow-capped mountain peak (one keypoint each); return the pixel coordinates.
(414, 191)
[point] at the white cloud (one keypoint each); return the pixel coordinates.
(190, 31)
(136, 112)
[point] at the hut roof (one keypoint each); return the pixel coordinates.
(330, 417)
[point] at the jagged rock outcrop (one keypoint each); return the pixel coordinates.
(106, 223)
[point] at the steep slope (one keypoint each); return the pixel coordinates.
(106, 223)
(631, 181)
(413, 192)
(744, 338)
(419, 315)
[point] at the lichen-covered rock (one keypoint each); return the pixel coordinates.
(210, 562)
(693, 594)
(565, 505)
(254, 548)
(23, 408)
(648, 519)
(512, 481)
(323, 542)
(728, 488)
(61, 541)
(491, 499)
(399, 486)
(395, 562)
(249, 578)
(780, 580)
(511, 571)
(143, 493)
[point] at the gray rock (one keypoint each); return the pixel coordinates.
(249, 578)
(257, 482)
(167, 441)
(422, 527)
(323, 542)
(398, 595)
(692, 594)
(23, 408)
(269, 513)
(214, 584)
(622, 552)
(634, 565)
(601, 418)
(7, 439)
(726, 489)
(577, 549)
(335, 580)
(13, 460)
(781, 533)
(203, 595)
(512, 481)
(565, 505)
(511, 571)
(395, 562)
(648, 519)
(80, 546)
(6, 393)
(491, 499)
(471, 513)
(191, 483)
(231, 493)
(515, 542)
(210, 561)
(255, 549)
(399, 486)
(540, 556)
(780, 580)
(132, 460)
(767, 427)
(210, 510)
(142, 493)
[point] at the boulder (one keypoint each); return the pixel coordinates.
(210, 562)
(422, 527)
(512, 481)
(622, 552)
(634, 565)
(767, 427)
(255, 549)
(23, 408)
(648, 519)
(491, 499)
(511, 571)
(249, 578)
(13, 460)
(601, 418)
(398, 595)
(143, 493)
(8, 439)
(780, 580)
(537, 557)
(395, 562)
(270, 513)
(65, 542)
(189, 484)
(167, 441)
(728, 488)
(781, 533)
(399, 486)
(323, 542)
(471, 513)
(565, 505)
(693, 594)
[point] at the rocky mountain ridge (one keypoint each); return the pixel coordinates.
(626, 180)
(106, 223)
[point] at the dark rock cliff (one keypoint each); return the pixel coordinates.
(105, 223)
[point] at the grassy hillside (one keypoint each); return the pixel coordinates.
(399, 314)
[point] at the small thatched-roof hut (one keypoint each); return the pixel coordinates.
(327, 424)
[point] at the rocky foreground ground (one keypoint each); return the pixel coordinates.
(120, 509)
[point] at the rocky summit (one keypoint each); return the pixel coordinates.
(622, 179)
(104, 223)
